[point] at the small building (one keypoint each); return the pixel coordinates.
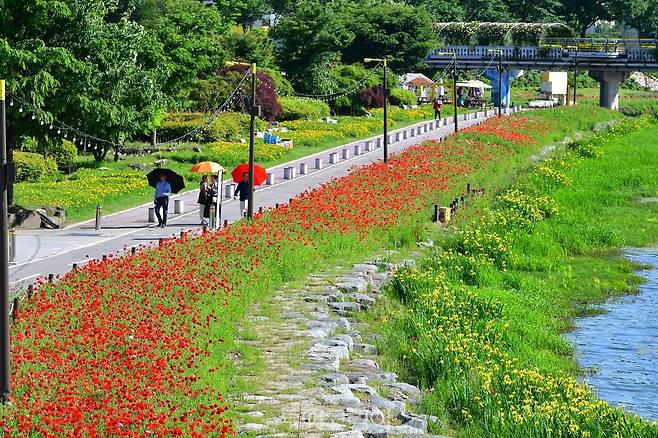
(554, 86)
(418, 83)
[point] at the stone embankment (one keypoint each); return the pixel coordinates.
(322, 374)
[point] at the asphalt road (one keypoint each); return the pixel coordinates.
(42, 252)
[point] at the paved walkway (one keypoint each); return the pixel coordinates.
(322, 376)
(42, 252)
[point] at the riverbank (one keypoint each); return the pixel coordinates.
(176, 308)
(479, 325)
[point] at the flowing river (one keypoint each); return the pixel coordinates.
(620, 346)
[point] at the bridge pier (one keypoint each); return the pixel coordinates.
(609, 86)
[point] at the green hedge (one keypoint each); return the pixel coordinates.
(228, 126)
(65, 155)
(400, 97)
(295, 108)
(33, 167)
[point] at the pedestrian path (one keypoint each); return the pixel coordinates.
(322, 375)
(43, 252)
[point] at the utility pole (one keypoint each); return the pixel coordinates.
(575, 76)
(454, 85)
(6, 177)
(500, 84)
(454, 90)
(383, 60)
(252, 136)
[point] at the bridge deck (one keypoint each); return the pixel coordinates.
(548, 58)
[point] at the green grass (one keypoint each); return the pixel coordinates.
(550, 269)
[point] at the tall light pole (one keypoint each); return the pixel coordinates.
(253, 110)
(575, 76)
(252, 137)
(383, 60)
(6, 177)
(454, 84)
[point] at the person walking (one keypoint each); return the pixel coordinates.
(204, 193)
(437, 109)
(161, 200)
(244, 190)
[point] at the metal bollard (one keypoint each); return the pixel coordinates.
(12, 246)
(333, 158)
(303, 168)
(99, 213)
(14, 311)
(213, 225)
(151, 215)
(357, 150)
(318, 163)
(270, 179)
(179, 206)
(346, 154)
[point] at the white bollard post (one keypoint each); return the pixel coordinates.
(369, 147)
(303, 168)
(379, 141)
(318, 163)
(151, 216)
(270, 179)
(346, 154)
(357, 150)
(179, 206)
(333, 158)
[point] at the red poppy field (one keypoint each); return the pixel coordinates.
(138, 345)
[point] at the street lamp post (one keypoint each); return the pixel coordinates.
(383, 60)
(252, 136)
(253, 110)
(6, 177)
(454, 85)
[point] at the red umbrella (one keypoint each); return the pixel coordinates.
(260, 174)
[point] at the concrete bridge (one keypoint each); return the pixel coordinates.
(608, 61)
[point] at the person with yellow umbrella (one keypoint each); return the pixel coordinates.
(213, 196)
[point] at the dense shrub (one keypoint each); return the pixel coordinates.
(227, 126)
(265, 94)
(282, 85)
(372, 97)
(33, 167)
(295, 108)
(400, 97)
(65, 155)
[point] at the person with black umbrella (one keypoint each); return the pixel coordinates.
(165, 182)
(161, 199)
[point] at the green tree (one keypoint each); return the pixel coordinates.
(534, 11)
(441, 10)
(185, 42)
(252, 10)
(65, 59)
(253, 46)
(311, 38)
(399, 32)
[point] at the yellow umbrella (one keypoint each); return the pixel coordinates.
(212, 167)
(207, 167)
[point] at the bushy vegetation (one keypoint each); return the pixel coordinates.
(34, 167)
(400, 97)
(295, 108)
(484, 314)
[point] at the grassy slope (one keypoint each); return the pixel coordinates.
(561, 122)
(569, 262)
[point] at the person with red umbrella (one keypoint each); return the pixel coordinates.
(244, 190)
(241, 176)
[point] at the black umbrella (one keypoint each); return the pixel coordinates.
(176, 181)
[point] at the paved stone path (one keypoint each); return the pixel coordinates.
(322, 377)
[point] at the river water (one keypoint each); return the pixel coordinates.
(621, 345)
